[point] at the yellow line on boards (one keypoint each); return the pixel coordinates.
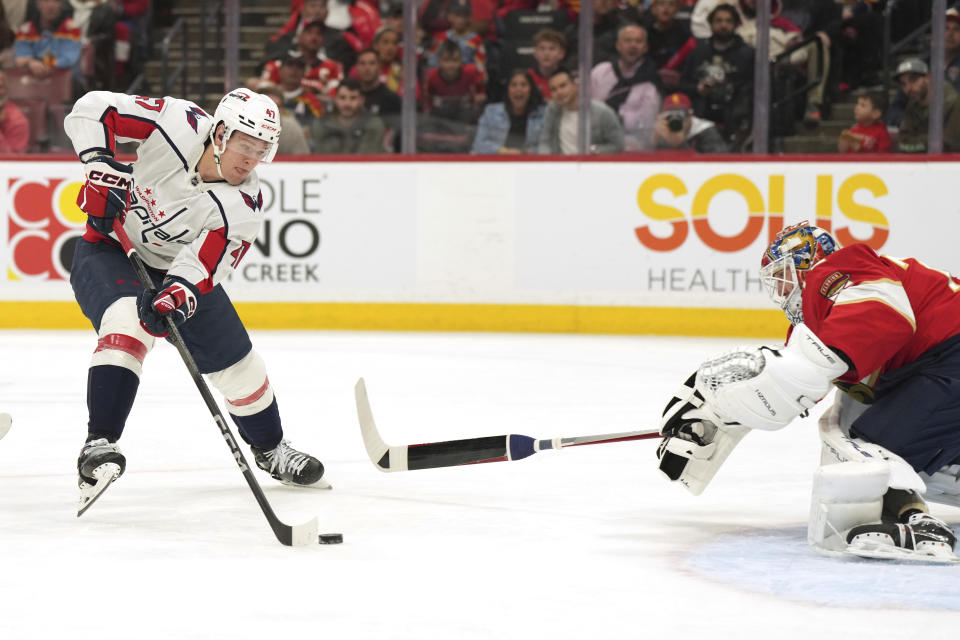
(452, 317)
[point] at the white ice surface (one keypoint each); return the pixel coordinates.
(582, 543)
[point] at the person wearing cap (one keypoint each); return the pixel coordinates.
(913, 75)
(676, 128)
(630, 86)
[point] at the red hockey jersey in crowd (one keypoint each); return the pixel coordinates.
(882, 312)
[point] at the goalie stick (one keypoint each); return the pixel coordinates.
(298, 535)
(453, 453)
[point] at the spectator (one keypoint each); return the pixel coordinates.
(512, 126)
(336, 46)
(14, 127)
(678, 129)
(358, 19)
(952, 48)
(718, 77)
(349, 128)
(824, 19)
(951, 67)
(914, 78)
(629, 86)
(869, 134)
(433, 17)
(454, 90)
(293, 140)
(387, 45)
(470, 43)
(549, 50)
(860, 44)
(561, 121)
(608, 17)
(323, 74)
(666, 36)
(288, 73)
(377, 98)
(50, 42)
(110, 39)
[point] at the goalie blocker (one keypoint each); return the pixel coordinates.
(764, 388)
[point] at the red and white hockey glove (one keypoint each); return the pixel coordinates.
(177, 299)
(106, 193)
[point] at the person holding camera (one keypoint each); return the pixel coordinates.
(676, 128)
(718, 76)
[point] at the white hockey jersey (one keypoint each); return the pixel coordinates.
(195, 230)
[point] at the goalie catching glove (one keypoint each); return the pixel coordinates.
(177, 299)
(106, 193)
(761, 388)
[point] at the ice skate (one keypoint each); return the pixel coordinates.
(921, 538)
(99, 464)
(291, 467)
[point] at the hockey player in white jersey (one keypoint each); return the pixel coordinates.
(192, 207)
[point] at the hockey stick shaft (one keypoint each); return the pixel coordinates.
(298, 535)
(453, 453)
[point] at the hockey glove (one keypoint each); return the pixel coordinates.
(177, 299)
(106, 193)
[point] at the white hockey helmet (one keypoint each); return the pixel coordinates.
(248, 112)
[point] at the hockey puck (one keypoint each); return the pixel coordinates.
(331, 538)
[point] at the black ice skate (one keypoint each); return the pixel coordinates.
(289, 466)
(921, 537)
(99, 464)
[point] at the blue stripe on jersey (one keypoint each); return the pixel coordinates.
(226, 230)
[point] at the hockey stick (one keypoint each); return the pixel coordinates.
(299, 535)
(5, 422)
(453, 453)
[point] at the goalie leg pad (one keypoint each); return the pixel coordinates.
(839, 447)
(245, 385)
(122, 342)
(767, 388)
(845, 495)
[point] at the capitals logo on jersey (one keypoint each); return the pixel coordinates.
(253, 203)
(193, 116)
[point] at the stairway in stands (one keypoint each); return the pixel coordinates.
(258, 21)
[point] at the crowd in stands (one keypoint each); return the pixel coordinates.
(502, 76)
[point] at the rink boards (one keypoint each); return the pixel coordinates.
(610, 246)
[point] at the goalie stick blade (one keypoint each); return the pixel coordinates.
(105, 475)
(5, 422)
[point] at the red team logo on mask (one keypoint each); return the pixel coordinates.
(43, 226)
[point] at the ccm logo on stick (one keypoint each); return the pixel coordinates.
(109, 178)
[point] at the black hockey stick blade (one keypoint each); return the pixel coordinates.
(454, 453)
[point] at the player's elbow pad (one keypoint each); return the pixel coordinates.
(767, 388)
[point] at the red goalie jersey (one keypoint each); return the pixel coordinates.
(882, 312)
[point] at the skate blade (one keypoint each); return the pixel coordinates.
(321, 484)
(5, 422)
(896, 554)
(105, 475)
